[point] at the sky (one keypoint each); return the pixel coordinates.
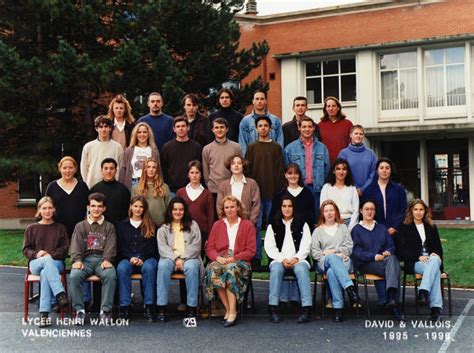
(268, 7)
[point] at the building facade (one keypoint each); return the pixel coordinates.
(403, 70)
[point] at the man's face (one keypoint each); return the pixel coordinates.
(119, 110)
(219, 130)
(96, 209)
(307, 129)
(224, 100)
(108, 171)
(190, 108)
(259, 101)
(300, 107)
(155, 103)
(103, 131)
(181, 129)
(263, 128)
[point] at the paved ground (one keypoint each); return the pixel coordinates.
(253, 334)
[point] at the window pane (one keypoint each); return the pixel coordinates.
(435, 87)
(331, 87)
(408, 59)
(454, 55)
(456, 93)
(389, 90)
(388, 61)
(434, 57)
(348, 88)
(330, 67)
(348, 65)
(408, 89)
(313, 69)
(28, 188)
(313, 90)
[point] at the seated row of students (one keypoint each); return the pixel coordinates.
(230, 247)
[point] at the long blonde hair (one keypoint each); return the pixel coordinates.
(41, 202)
(151, 136)
(158, 182)
(128, 109)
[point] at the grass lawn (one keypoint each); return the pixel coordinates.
(458, 245)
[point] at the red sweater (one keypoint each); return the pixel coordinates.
(245, 242)
(335, 135)
(201, 209)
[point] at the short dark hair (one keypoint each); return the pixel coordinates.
(179, 119)
(155, 94)
(300, 98)
(228, 162)
(195, 163)
(193, 97)
(98, 197)
(307, 118)
(228, 91)
(186, 221)
(102, 120)
(108, 160)
(386, 160)
(263, 117)
(259, 91)
(357, 126)
(220, 121)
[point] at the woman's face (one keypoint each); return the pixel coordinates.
(331, 108)
(287, 209)
(151, 169)
(329, 213)
(292, 176)
(119, 110)
(384, 171)
(231, 209)
(418, 212)
(46, 211)
(137, 209)
(368, 211)
(194, 175)
(177, 212)
(67, 170)
(237, 166)
(340, 171)
(142, 135)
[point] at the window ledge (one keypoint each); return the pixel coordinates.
(26, 203)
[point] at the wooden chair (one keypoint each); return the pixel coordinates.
(30, 296)
(369, 277)
(324, 285)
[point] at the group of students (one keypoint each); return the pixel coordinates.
(159, 218)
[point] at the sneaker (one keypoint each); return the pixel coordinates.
(106, 317)
(62, 299)
(80, 318)
(45, 320)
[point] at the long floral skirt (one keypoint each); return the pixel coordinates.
(234, 276)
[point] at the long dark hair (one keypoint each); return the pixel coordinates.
(148, 227)
(331, 177)
(278, 214)
(186, 221)
(296, 168)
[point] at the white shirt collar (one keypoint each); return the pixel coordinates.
(233, 181)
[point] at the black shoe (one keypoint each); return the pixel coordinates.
(435, 314)
(338, 315)
(123, 313)
(230, 323)
(62, 299)
(80, 318)
(161, 317)
(192, 312)
(149, 313)
(274, 317)
(354, 298)
(284, 306)
(305, 316)
(45, 320)
(391, 304)
(397, 314)
(422, 297)
(55, 308)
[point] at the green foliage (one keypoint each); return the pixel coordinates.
(59, 59)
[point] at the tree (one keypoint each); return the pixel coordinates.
(60, 61)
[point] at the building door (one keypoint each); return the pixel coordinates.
(448, 178)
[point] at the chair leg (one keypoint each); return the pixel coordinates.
(26, 301)
(416, 294)
(367, 296)
(403, 290)
(323, 297)
(356, 286)
(450, 303)
(254, 309)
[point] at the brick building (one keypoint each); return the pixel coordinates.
(402, 69)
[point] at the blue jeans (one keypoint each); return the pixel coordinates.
(337, 272)
(431, 279)
(107, 276)
(50, 280)
(263, 217)
(148, 271)
(166, 268)
(301, 271)
(289, 291)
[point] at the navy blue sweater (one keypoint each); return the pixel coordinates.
(368, 243)
(131, 242)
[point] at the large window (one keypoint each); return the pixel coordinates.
(331, 78)
(398, 74)
(445, 82)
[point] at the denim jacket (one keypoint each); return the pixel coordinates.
(294, 153)
(248, 131)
